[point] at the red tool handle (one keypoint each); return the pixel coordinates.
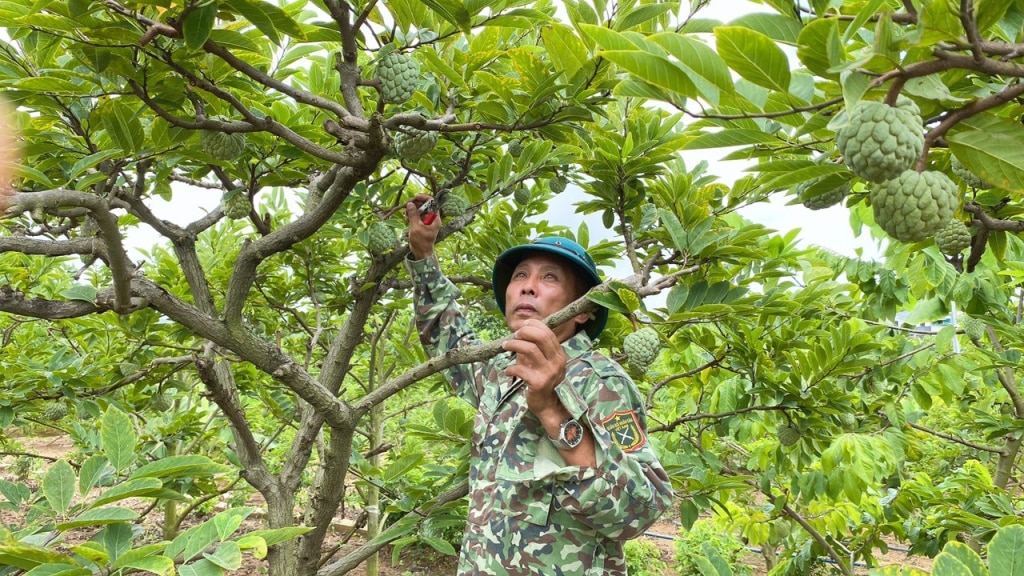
(429, 218)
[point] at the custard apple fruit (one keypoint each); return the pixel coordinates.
(161, 402)
(54, 411)
(974, 328)
(968, 177)
(223, 146)
(515, 148)
(905, 103)
(880, 141)
(914, 205)
(642, 347)
(557, 184)
(236, 204)
(789, 435)
(399, 76)
(522, 195)
(454, 205)
(847, 420)
(413, 143)
(820, 201)
(953, 238)
(380, 238)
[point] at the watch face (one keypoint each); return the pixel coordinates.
(572, 433)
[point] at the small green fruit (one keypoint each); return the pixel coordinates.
(399, 77)
(789, 435)
(557, 184)
(54, 411)
(974, 328)
(236, 204)
(161, 402)
(454, 205)
(221, 145)
(413, 143)
(515, 148)
(642, 347)
(953, 238)
(522, 195)
(380, 238)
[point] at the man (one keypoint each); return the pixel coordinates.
(561, 472)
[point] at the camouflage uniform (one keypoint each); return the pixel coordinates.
(529, 512)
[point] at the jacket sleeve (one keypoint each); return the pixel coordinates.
(629, 489)
(442, 325)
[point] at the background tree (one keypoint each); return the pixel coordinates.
(257, 345)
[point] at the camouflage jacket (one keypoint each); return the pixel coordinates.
(529, 512)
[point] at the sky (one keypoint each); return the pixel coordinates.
(827, 228)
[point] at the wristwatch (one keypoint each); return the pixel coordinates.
(570, 434)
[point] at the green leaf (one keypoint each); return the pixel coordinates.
(122, 126)
(135, 488)
(228, 521)
(58, 570)
(91, 472)
(946, 563)
(28, 556)
(159, 565)
(80, 292)
(50, 85)
(453, 12)
(654, 69)
(990, 147)
(967, 557)
(399, 467)
(59, 486)
(1006, 551)
(258, 14)
(439, 544)
(257, 545)
(567, 52)
(631, 18)
(675, 230)
(203, 567)
(91, 161)
(99, 517)
(705, 69)
(820, 48)
(181, 466)
(278, 535)
(197, 25)
(117, 438)
(629, 299)
(730, 137)
(608, 300)
(754, 57)
(227, 556)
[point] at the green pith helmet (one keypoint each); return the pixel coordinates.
(562, 247)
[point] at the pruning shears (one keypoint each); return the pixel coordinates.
(428, 212)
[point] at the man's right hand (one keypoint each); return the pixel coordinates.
(422, 236)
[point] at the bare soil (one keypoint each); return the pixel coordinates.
(412, 561)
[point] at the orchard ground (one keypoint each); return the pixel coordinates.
(411, 561)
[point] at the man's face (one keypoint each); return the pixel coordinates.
(541, 285)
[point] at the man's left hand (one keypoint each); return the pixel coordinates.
(540, 362)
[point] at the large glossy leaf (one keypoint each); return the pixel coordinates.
(122, 125)
(135, 488)
(59, 486)
(566, 50)
(703, 66)
(99, 517)
(117, 437)
(180, 466)
(198, 23)
(653, 69)
(990, 147)
(1006, 551)
(754, 57)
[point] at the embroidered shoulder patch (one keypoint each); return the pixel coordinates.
(624, 428)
